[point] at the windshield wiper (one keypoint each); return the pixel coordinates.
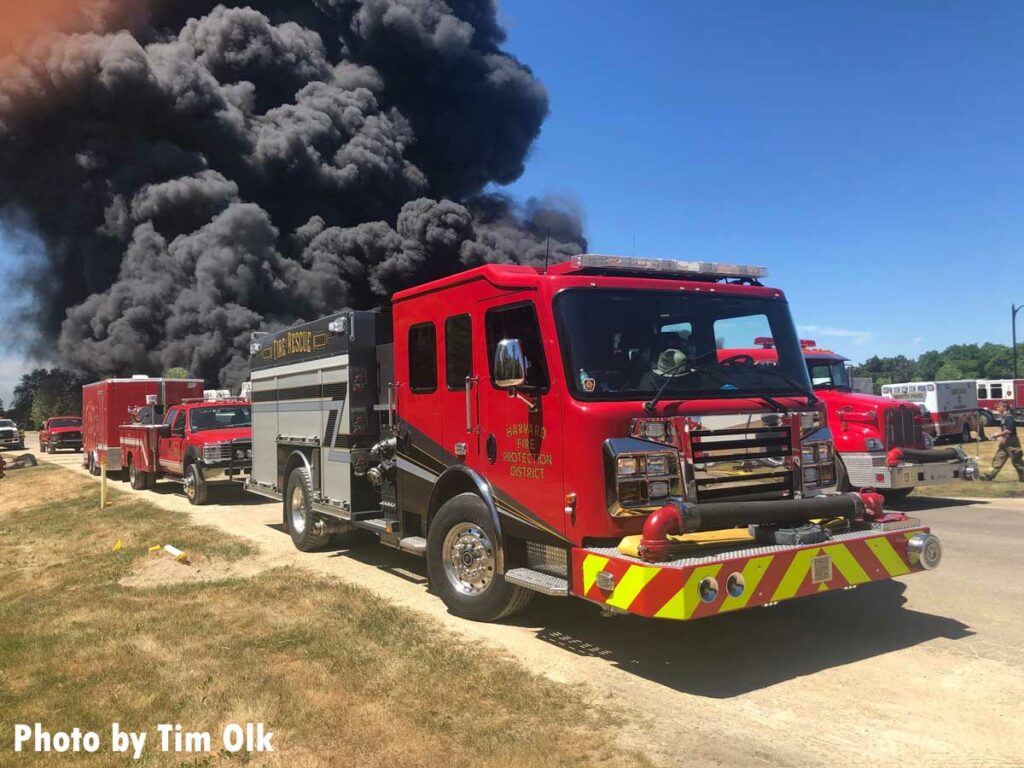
(651, 404)
(808, 393)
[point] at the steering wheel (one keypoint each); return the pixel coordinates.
(742, 359)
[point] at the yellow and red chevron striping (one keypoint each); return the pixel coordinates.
(672, 591)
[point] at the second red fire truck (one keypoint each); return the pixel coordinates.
(882, 443)
(573, 431)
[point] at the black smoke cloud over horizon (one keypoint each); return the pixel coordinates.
(195, 171)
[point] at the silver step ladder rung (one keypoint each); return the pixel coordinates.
(538, 581)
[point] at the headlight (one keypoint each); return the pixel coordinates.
(874, 444)
(639, 479)
(248, 453)
(811, 475)
(627, 465)
(657, 465)
(216, 452)
(808, 455)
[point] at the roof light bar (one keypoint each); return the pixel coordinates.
(711, 269)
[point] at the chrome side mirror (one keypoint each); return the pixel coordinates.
(509, 364)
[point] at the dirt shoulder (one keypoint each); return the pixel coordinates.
(94, 628)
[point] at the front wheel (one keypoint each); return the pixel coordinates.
(195, 484)
(298, 513)
(842, 479)
(462, 556)
(895, 495)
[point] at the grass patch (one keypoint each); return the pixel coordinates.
(1006, 485)
(337, 675)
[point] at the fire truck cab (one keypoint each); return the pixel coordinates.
(882, 443)
(197, 443)
(572, 431)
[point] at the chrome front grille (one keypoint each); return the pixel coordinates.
(219, 452)
(900, 428)
(739, 456)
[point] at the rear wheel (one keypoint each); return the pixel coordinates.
(195, 484)
(462, 556)
(298, 513)
(138, 478)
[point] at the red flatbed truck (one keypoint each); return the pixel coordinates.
(108, 404)
(572, 431)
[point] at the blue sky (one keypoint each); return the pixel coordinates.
(870, 154)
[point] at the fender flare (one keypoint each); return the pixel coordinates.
(461, 473)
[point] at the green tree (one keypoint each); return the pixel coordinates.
(42, 393)
(950, 371)
(176, 373)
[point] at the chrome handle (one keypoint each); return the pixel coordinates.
(470, 381)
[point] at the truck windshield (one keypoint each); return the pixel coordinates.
(622, 344)
(219, 417)
(65, 423)
(6, 424)
(829, 374)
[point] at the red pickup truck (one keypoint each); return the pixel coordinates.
(197, 444)
(61, 433)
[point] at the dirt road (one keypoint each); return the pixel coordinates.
(924, 670)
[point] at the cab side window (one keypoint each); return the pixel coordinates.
(458, 351)
(518, 321)
(179, 421)
(422, 358)
(169, 418)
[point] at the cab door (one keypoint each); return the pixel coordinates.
(171, 447)
(461, 363)
(521, 433)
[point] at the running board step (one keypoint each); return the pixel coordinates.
(416, 545)
(379, 525)
(545, 583)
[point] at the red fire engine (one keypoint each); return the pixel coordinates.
(573, 431)
(197, 443)
(108, 404)
(882, 443)
(992, 392)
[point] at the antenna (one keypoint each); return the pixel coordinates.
(547, 250)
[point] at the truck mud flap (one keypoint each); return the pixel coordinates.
(709, 584)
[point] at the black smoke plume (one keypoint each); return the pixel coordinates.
(194, 171)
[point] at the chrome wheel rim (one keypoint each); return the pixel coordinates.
(190, 483)
(298, 510)
(468, 559)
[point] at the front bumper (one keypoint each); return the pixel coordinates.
(681, 589)
(10, 442)
(872, 470)
(225, 473)
(66, 443)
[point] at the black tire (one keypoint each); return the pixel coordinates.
(139, 480)
(489, 599)
(895, 495)
(987, 419)
(195, 484)
(842, 479)
(298, 513)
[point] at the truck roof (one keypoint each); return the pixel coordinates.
(633, 272)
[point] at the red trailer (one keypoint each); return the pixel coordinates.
(108, 404)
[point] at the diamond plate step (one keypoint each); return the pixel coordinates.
(545, 583)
